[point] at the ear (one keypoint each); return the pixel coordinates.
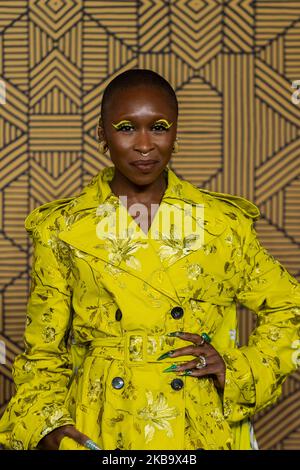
(100, 131)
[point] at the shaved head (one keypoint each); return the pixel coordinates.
(134, 78)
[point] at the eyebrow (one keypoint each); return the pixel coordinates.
(127, 121)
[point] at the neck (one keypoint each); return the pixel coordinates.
(152, 192)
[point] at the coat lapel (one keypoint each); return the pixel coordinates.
(91, 226)
(98, 224)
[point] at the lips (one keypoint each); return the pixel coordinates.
(144, 162)
(145, 166)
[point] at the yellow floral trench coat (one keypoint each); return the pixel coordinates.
(101, 307)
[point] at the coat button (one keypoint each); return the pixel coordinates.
(177, 313)
(177, 384)
(117, 383)
(118, 315)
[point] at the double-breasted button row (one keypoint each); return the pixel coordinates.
(177, 384)
(118, 383)
(118, 315)
(177, 313)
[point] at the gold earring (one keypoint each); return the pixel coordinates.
(102, 147)
(176, 146)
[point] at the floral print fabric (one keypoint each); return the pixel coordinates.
(100, 310)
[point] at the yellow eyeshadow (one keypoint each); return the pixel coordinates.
(164, 121)
(120, 124)
(125, 122)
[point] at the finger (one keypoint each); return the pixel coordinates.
(192, 351)
(187, 365)
(193, 337)
(84, 440)
(210, 362)
(214, 366)
(211, 369)
(77, 435)
(211, 358)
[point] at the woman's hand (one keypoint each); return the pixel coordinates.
(208, 361)
(52, 440)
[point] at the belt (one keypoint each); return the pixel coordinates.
(135, 347)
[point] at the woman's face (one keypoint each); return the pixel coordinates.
(140, 120)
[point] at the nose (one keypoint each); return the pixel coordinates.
(143, 143)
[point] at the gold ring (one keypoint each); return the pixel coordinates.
(201, 362)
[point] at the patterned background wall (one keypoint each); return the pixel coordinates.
(232, 64)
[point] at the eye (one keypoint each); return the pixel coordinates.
(125, 128)
(159, 127)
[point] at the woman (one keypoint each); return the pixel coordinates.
(131, 338)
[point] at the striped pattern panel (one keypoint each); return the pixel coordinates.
(6, 388)
(275, 54)
(232, 64)
(11, 350)
(246, 325)
(273, 19)
(118, 19)
(284, 418)
(292, 219)
(15, 306)
(69, 44)
(275, 90)
(16, 52)
(277, 171)
(290, 442)
(291, 44)
(49, 133)
(48, 188)
(238, 107)
(10, 10)
(267, 118)
(239, 26)
(196, 30)
(55, 18)
(154, 26)
(279, 242)
(55, 163)
(200, 122)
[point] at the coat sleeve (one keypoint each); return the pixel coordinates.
(255, 373)
(42, 373)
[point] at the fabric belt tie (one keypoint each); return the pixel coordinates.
(135, 347)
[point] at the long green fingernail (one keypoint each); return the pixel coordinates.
(164, 356)
(171, 368)
(89, 444)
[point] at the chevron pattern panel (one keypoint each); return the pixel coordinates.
(232, 64)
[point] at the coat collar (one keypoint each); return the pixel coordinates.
(175, 188)
(97, 209)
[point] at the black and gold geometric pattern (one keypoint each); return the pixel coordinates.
(232, 64)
